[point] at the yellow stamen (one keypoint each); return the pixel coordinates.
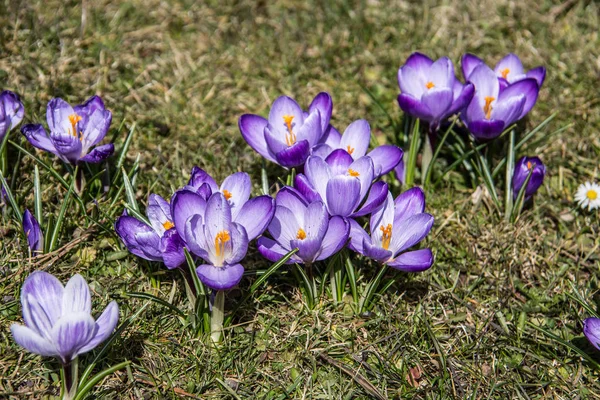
(290, 137)
(429, 85)
(529, 165)
(168, 225)
(220, 240)
(386, 236)
(227, 194)
(301, 234)
(74, 119)
(352, 172)
(591, 194)
(505, 73)
(350, 149)
(487, 108)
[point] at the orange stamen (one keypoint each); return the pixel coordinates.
(301, 234)
(220, 240)
(352, 172)
(227, 194)
(350, 149)
(529, 165)
(290, 137)
(429, 85)
(74, 119)
(168, 225)
(387, 236)
(505, 72)
(487, 108)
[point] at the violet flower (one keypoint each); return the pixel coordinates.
(73, 131)
(355, 141)
(58, 320)
(509, 70)
(494, 108)
(341, 184)
(591, 330)
(33, 233)
(289, 133)
(307, 227)
(11, 112)
(523, 167)
(396, 227)
(158, 241)
(430, 90)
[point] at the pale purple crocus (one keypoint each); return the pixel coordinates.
(158, 241)
(307, 227)
(396, 227)
(58, 320)
(288, 135)
(11, 112)
(74, 131)
(355, 141)
(509, 70)
(341, 184)
(524, 167)
(33, 233)
(495, 108)
(591, 330)
(430, 90)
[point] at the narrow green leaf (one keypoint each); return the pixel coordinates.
(37, 195)
(61, 216)
(266, 274)
(158, 300)
(129, 192)
(438, 148)
(412, 154)
(518, 205)
(83, 391)
(11, 199)
(123, 152)
(510, 165)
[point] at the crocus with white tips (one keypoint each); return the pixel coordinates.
(158, 241)
(524, 167)
(341, 184)
(11, 112)
(307, 227)
(74, 131)
(509, 70)
(33, 233)
(355, 141)
(289, 133)
(58, 320)
(396, 227)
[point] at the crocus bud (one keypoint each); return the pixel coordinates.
(33, 233)
(523, 168)
(11, 112)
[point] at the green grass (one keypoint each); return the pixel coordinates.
(184, 72)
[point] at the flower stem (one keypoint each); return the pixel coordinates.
(217, 316)
(412, 155)
(70, 377)
(510, 164)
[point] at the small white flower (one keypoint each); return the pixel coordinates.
(588, 195)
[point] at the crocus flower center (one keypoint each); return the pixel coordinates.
(591, 194)
(74, 119)
(220, 240)
(505, 72)
(168, 225)
(429, 85)
(290, 137)
(487, 108)
(529, 165)
(301, 234)
(386, 236)
(350, 149)
(352, 172)
(227, 194)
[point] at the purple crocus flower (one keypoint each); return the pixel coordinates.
(355, 141)
(523, 167)
(509, 70)
(430, 90)
(396, 227)
(341, 184)
(289, 133)
(73, 131)
(493, 107)
(158, 241)
(591, 330)
(58, 320)
(304, 226)
(11, 112)
(33, 233)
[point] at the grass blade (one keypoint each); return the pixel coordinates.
(83, 390)
(61, 215)
(510, 165)
(266, 274)
(156, 299)
(412, 154)
(11, 198)
(37, 195)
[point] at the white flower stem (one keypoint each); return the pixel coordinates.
(70, 379)
(216, 319)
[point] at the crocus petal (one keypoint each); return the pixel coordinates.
(220, 278)
(252, 128)
(413, 106)
(468, 63)
(195, 237)
(365, 170)
(33, 233)
(303, 186)
(37, 136)
(321, 150)
(71, 333)
(315, 220)
(95, 128)
(521, 172)
(285, 106)
(335, 238)
(310, 129)
(382, 217)
(410, 232)
(172, 249)
(591, 330)
(409, 203)
(339, 161)
(331, 137)
(57, 115)
(509, 110)
(199, 178)
(375, 251)
(68, 147)
(105, 324)
(236, 188)
(239, 244)
(343, 195)
(438, 101)
(285, 225)
(256, 215)
(308, 249)
(88, 108)
(13, 108)
(139, 238)
(419, 61)
(463, 99)
(292, 199)
(356, 138)
(376, 197)
(185, 204)
(539, 74)
(527, 87)
(411, 81)
(486, 84)
(318, 173)
(509, 67)
(47, 292)
(322, 103)
(413, 261)
(32, 341)
(76, 297)
(217, 217)
(271, 250)
(99, 154)
(295, 155)
(441, 73)
(357, 236)
(159, 213)
(385, 158)
(486, 129)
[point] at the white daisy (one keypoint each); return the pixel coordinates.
(588, 195)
